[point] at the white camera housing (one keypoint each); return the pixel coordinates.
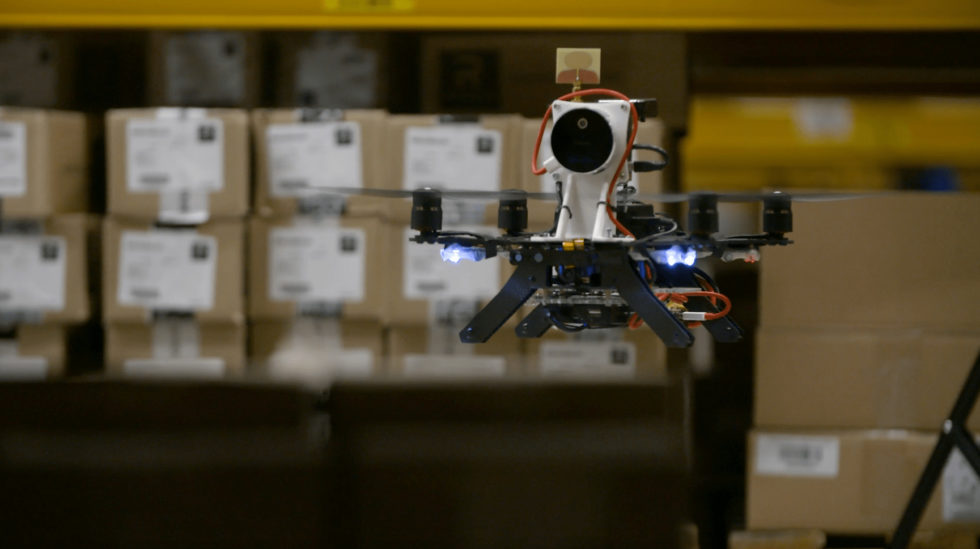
(588, 140)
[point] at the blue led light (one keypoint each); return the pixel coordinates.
(674, 255)
(454, 253)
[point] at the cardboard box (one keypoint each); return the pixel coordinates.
(299, 263)
(515, 71)
(435, 351)
(332, 69)
(601, 354)
(316, 350)
(46, 162)
(45, 273)
(198, 271)
(423, 288)
(861, 379)
(31, 352)
(895, 260)
(477, 153)
(175, 348)
(852, 482)
(181, 166)
(204, 68)
(327, 148)
(541, 213)
(37, 69)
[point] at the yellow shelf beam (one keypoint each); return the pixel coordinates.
(499, 14)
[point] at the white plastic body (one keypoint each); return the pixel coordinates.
(583, 213)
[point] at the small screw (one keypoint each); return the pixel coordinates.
(622, 107)
(538, 258)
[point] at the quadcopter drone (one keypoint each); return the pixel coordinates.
(610, 260)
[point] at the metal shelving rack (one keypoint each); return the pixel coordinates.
(502, 14)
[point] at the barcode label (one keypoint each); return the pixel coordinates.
(368, 5)
(797, 455)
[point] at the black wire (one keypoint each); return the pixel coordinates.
(654, 236)
(659, 150)
(565, 327)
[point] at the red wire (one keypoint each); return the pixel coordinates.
(635, 321)
(622, 162)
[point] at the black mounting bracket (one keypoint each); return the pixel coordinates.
(534, 271)
(954, 435)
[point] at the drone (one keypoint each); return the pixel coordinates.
(610, 260)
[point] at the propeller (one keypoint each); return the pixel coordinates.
(755, 196)
(456, 194)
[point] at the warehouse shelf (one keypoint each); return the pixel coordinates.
(503, 14)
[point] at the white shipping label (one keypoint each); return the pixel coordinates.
(13, 159)
(454, 366)
(302, 156)
(32, 273)
(24, 368)
(175, 368)
(463, 157)
(170, 270)
(174, 155)
(205, 68)
(824, 118)
(961, 490)
(797, 456)
(317, 264)
(427, 276)
(352, 363)
(613, 359)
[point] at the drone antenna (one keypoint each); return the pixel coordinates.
(577, 66)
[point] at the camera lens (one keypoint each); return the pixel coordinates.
(582, 140)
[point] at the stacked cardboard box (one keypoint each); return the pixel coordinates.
(340, 70)
(36, 69)
(174, 241)
(204, 68)
(45, 239)
(868, 329)
(317, 283)
(431, 300)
